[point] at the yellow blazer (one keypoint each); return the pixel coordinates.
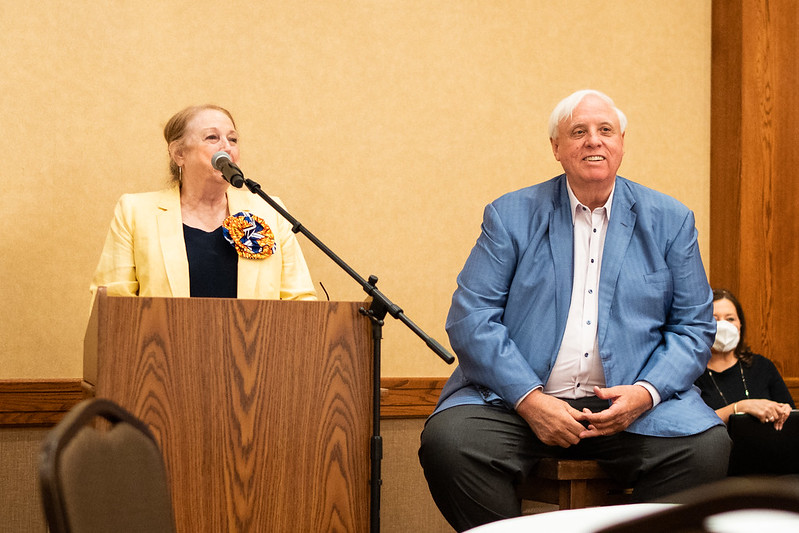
(145, 253)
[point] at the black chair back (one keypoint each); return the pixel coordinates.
(103, 477)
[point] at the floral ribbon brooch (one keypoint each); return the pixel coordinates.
(250, 235)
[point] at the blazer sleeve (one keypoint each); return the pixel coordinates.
(687, 334)
(117, 267)
(487, 353)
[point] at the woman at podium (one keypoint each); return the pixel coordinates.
(200, 237)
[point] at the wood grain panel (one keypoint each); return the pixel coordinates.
(769, 186)
(725, 145)
(260, 422)
(754, 166)
(409, 397)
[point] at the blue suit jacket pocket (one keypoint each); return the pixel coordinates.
(658, 276)
(651, 300)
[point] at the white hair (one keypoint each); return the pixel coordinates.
(566, 107)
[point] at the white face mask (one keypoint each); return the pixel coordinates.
(727, 336)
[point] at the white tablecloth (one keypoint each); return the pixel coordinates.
(593, 518)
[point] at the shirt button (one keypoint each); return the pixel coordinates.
(590, 291)
(594, 230)
(592, 260)
(588, 322)
(585, 354)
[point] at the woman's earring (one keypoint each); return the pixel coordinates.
(180, 174)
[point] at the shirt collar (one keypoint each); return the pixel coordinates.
(575, 203)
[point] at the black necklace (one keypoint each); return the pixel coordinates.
(743, 380)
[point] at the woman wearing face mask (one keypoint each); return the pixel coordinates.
(737, 380)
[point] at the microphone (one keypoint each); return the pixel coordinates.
(232, 174)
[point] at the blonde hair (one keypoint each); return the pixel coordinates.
(175, 131)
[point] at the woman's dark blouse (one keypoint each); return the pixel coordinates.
(213, 263)
(762, 379)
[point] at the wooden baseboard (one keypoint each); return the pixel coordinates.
(37, 403)
(409, 397)
(42, 403)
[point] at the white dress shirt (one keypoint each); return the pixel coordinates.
(578, 368)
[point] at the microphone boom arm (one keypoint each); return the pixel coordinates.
(380, 303)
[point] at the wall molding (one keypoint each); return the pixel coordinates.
(42, 403)
(409, 397)
(37, 403)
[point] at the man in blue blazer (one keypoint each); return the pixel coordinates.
(582, 317)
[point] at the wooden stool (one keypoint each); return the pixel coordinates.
(572, 484)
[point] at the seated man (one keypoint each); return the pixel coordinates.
(557, 360)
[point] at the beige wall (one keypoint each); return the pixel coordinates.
(384, 125)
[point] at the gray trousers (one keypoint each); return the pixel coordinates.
(473, 457)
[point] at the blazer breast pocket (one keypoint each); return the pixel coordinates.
(658, 276)
(653, 297)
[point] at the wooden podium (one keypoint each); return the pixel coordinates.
(263, 409)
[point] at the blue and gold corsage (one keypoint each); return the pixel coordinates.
(250, 235)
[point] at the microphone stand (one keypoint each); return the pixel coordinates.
(380, 306)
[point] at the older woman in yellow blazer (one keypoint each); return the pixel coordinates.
(201, 237)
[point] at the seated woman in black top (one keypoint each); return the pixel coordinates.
(737, 380)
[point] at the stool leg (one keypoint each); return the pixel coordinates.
(573, 494)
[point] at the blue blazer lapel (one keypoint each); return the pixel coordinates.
(620, 231)
(561, 242)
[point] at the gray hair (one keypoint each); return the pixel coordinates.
(566, 107)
